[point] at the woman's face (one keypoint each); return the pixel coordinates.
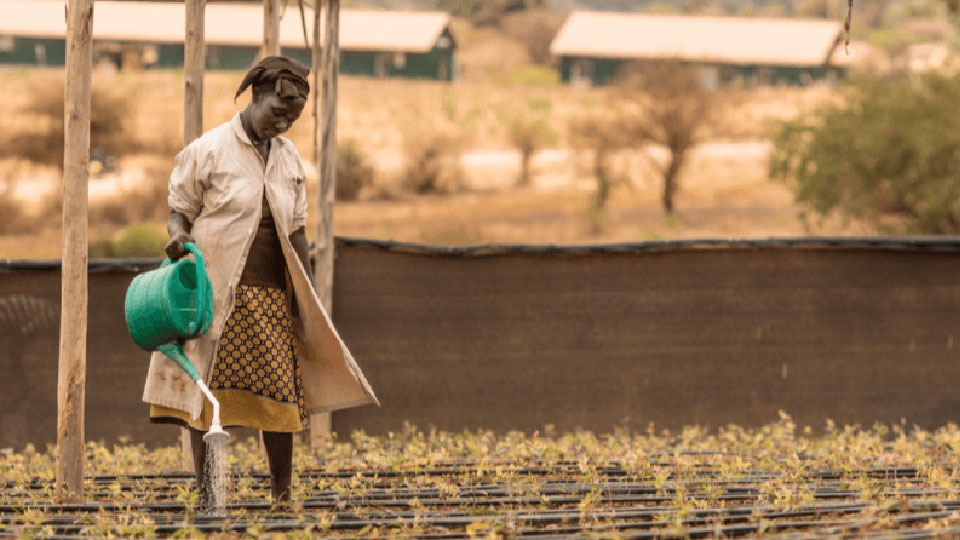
(271, 115)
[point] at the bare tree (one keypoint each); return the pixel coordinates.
(670, 107)
(600, 132)
(529, 130)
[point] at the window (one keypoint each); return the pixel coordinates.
(7, 43)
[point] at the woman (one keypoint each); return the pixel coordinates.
(271, 355)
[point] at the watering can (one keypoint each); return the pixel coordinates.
(168, 305)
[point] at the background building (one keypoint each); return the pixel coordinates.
(148, 35)
(592, 46)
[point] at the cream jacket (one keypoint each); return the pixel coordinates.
(218, 183)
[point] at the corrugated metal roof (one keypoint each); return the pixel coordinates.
(741, 40)
(226, 24)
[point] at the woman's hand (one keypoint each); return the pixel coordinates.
(174, 247)
(179, 228)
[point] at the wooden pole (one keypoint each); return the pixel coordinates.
(72, 365)
(315, 66)
(271, 28)
(194, 60)
(330, 66)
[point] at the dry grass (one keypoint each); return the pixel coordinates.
(719, 196)
(379, 112)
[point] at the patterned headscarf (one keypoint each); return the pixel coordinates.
(289, 76)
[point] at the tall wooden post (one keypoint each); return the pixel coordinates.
(194, 62)
(327, 170)
(72, 368)
(316, 64)
(271, 28)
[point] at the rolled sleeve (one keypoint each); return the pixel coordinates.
(185, 189)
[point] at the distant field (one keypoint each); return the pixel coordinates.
(724, 193)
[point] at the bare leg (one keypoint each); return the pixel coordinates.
(279, 448)
(199, 460)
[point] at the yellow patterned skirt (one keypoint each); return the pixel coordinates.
(256, 375)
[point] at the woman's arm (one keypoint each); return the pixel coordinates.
(299, 240)
(179, 228)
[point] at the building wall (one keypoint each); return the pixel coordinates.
(436, 64)
(601, 71)
(32, 51)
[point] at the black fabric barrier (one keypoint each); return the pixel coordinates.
(707, 332)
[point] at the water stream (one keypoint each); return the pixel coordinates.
(215, 478)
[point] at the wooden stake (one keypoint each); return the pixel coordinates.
(194, 60)
(72, 366)
(315, 66)
(326, 161)
(271, 28)
(195, 53)
(328, 153)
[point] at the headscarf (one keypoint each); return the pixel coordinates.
(289, 76)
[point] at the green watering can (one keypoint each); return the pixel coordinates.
(167, 305)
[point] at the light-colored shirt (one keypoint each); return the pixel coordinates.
(218, 183)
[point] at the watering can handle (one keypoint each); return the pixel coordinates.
(201, 287)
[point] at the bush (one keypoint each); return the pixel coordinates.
(137, 240)
(889, 156)
(432, 163)
(354, 172)
(14, 217)
(109, 135)
(534, 76)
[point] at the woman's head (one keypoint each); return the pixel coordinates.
(280, 90)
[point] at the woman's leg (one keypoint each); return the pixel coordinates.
(199, 459)
(279, 448)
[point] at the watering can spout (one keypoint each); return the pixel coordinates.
(175, 352)
(166, 306)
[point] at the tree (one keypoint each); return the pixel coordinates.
(529, 131)
(671, 107)
(535, 28)
(600, 132)
(888, 155)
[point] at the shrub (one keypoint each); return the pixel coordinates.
(137, 240)
(109, 135)
(141, 240)
(432, 163)
(354, 172)
(534, 76)
(888, 156)
(14, 217)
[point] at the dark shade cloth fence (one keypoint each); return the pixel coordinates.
(599, 337)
